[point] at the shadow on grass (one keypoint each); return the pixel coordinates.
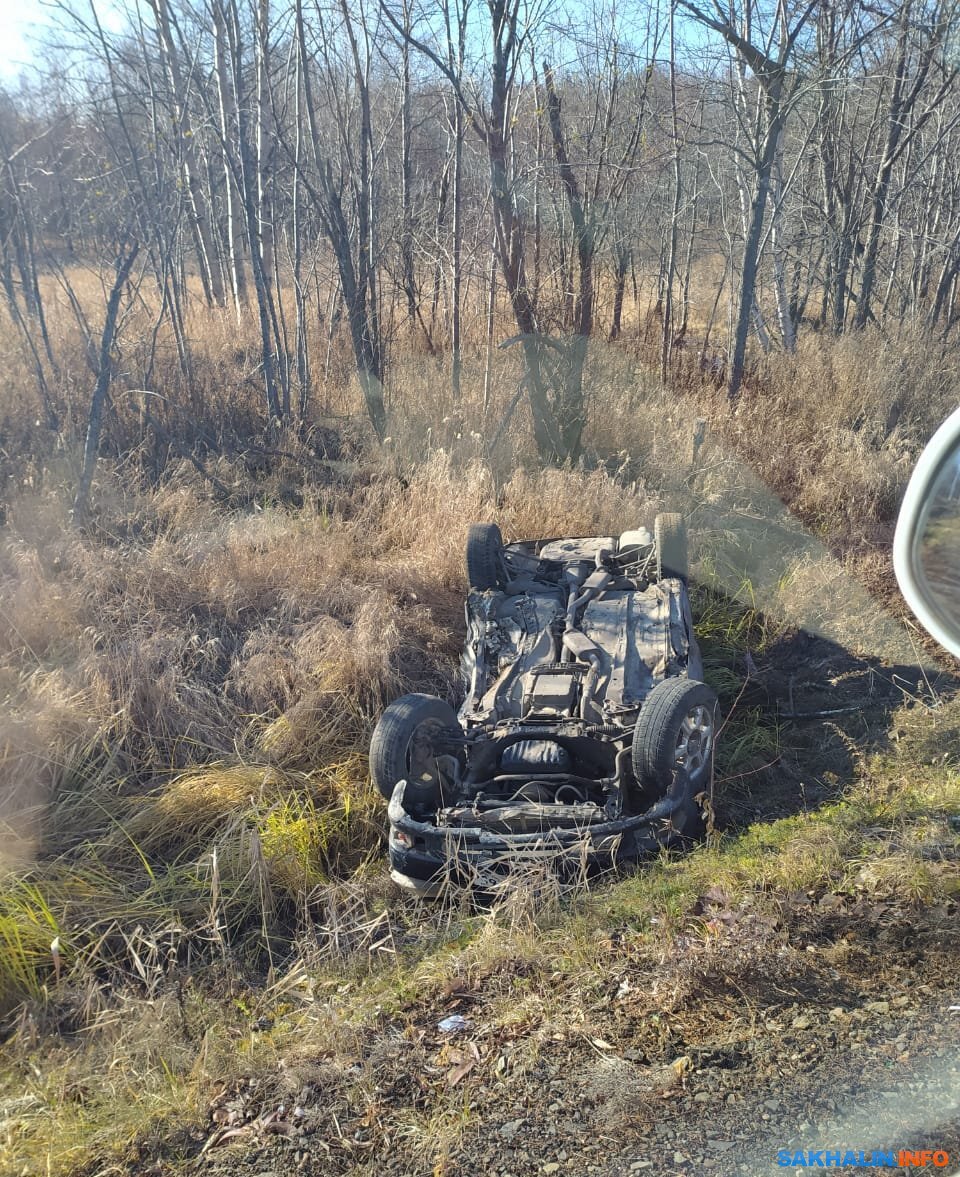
(800, 711)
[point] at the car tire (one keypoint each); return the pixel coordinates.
(676, 727)
(670, 538)
(485, 566)
(400, 748)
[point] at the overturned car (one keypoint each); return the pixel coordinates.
(586, 736)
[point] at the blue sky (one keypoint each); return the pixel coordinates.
(19, 20)
(23, 22)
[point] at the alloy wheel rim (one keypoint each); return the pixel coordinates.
(695, 740)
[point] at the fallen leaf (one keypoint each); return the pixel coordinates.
(460, 1071)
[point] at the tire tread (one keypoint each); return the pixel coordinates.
(395, 729)
(654, 738)
(485, 557)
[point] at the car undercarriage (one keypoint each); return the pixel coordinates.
(586, 734)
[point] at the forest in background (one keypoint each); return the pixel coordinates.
(292, 293)
(346, 186)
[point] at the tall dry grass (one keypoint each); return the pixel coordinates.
(202, 692)
(220, 635)
(190, 681)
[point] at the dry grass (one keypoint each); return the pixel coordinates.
(188, 709)
(835, 428)
(190, 684)
(181, 631)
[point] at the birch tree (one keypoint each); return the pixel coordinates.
(768, 58)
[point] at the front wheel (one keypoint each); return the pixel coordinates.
(404, 746)
(676, 729)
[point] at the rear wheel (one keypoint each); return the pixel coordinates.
(676, 728)
(485, 566)
(404, 746)
(670, 537)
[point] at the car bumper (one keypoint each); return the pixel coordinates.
(429, 875)
(431, 887)
(426, 858)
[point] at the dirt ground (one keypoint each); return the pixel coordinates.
(844, 1035)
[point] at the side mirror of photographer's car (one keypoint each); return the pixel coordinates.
(926, 547)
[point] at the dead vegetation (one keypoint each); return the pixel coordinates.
(187, 709)
(603, 1017)
(193, 914)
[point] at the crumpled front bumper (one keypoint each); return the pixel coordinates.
(428, 857)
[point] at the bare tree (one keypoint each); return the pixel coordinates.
(353, 245)
(768, 59)
(186, 141)
(126, 256)
(313, 158)
(918, 44)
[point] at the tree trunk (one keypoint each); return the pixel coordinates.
(407, 266)
(186, 147)
(228, 122)
(357, 277)
(124, 263)
(751, 246)
(666, 338)
(788, 336)
(621, 266)
(571, 414)
(245, 174)
(456, 294)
